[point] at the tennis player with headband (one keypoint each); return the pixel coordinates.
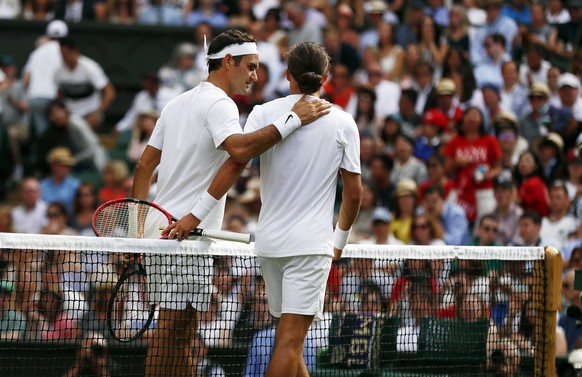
(195, 134)
(295, 240)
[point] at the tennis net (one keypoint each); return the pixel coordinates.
(389, 310)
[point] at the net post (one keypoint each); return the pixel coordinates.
(549, 280)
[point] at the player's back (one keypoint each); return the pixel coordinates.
(298, 180)
(190, 155)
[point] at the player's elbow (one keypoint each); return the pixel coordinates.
(240, 155)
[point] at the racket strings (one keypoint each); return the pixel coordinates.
(130, 220)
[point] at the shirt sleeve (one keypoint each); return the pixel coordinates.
(222, 120)
(98, 77)
(350, 139)
(157, 138)
(255, 120)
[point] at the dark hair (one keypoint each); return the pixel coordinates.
(498, 38)
(481, 125)
(225, 39)
(60, 206)
(275, 13)
(533, 216)
(409, 94)
(76, 202)
(69, 43)
(488, 216)
(56, 103)
(538, 171)
(385, 160)
(434, 189)
(307, 63)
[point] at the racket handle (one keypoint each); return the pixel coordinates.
(222, 235)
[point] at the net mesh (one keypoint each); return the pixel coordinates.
(389, 310)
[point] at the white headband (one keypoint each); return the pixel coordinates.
(246, 48)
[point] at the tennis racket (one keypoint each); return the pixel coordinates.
(129, 313)
(135, 218)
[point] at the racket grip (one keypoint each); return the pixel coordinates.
(226, 236)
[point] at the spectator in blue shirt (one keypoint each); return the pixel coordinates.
(262, 347)
(495, 23)
(451, 215)
(60, 186)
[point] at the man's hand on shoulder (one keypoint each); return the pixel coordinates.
(308, 111)
(181, 229)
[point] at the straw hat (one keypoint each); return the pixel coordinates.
(405, 187)
(61, 156)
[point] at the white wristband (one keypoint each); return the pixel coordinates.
(340, 237)
(204, 206)
(287, 124)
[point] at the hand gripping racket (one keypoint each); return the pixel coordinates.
(135, 218)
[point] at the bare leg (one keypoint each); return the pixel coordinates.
(171, 345)
(287, 359)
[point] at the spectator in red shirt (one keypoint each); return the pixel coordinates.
(532, 193)
(474, 159)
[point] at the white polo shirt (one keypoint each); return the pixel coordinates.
(189, 132)
(298, 180)
(81, 87)
(42, 64)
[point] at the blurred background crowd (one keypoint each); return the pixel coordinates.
(469, 114)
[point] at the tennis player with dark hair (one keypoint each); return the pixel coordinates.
(295, 240)
(194, 136)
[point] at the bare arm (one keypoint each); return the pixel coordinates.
(351, 200)
(144, 170)
(222, 182)
(241, 148)
(108, 94)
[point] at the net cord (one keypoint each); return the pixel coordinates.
(226, 248)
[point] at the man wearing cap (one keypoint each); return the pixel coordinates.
(60, 186)
(38, 73)
(447, 102)
(544, 117)
(569, 92)
(196, 133)
(381, 219)
(511, 143)
(428, 140)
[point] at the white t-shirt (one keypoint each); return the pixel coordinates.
(555, 233)
(42, 64)
(298, 180)
(189, 133)
(81, 87)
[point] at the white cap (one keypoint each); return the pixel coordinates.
(57, 29)
(568, 79)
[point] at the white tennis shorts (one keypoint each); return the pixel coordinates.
(296, 285)
(174, 281)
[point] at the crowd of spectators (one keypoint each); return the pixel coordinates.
(469, 114)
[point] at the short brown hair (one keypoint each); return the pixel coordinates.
(224, 39)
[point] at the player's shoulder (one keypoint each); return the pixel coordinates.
(342, 117)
